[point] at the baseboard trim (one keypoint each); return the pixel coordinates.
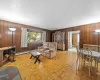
(24, 52)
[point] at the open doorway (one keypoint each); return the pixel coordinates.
(73, 40)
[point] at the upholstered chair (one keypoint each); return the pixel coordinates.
(48, 49)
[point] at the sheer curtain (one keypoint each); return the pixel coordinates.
(43, 36)
(24, 39)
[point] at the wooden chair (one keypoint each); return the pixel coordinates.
(88, 58)
(79, 56)
(84, 57)
(97, 61)
(98, 76)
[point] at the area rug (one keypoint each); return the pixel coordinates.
(10, 73)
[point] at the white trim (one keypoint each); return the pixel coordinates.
(24, 39)
(24, 52)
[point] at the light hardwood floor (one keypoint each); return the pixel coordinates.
(62, 67)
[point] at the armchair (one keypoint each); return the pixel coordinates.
(48, 49)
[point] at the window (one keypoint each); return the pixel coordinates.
(34, 36)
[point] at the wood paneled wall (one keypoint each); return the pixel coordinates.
(6, 35)
(87, 34)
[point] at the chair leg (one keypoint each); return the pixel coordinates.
(98, 76)
(89, 68)
(77, 64)
(84, 62)
(80, 63)
(97, 66)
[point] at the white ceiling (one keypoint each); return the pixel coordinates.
(51, 14)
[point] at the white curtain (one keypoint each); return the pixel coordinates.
(24, 37)
(69, 39)
(44, 36)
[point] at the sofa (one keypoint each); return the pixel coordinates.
(48, 49)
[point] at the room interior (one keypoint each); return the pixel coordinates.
(73, 40)
(49, 40)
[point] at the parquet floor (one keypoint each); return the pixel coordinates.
(62, 67)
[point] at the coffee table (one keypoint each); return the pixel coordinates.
(36, 55)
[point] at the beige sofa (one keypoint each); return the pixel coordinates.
(48, 49)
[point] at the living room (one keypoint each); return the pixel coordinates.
(35, 40)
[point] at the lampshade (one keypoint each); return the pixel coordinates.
(12, 29)
(98, 30)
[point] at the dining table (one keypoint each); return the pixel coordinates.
(94, 54)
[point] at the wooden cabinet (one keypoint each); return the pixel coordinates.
(59, 37)
(1, 58)
(1, 55)
(1, 32)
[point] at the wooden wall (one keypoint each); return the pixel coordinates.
(74, 39)
(6, 35)
(87, 33)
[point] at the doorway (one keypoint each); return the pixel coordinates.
(73, 40)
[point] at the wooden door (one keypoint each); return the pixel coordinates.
(74, 39)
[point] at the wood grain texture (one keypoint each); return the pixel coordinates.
(6, 39)
(1, 58)
(62, 67)
(87, 33)
(74, 39)
(0, 35)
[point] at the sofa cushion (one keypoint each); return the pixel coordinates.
(46, 45)
(46, 51)
(52, 46)
(49, 49)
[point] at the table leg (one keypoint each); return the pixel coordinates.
(37, 59)
(12, 57)
(31, 56)
(96, 65)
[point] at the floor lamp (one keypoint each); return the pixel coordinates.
(12, 52)
(12, 30)
(98, 31)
